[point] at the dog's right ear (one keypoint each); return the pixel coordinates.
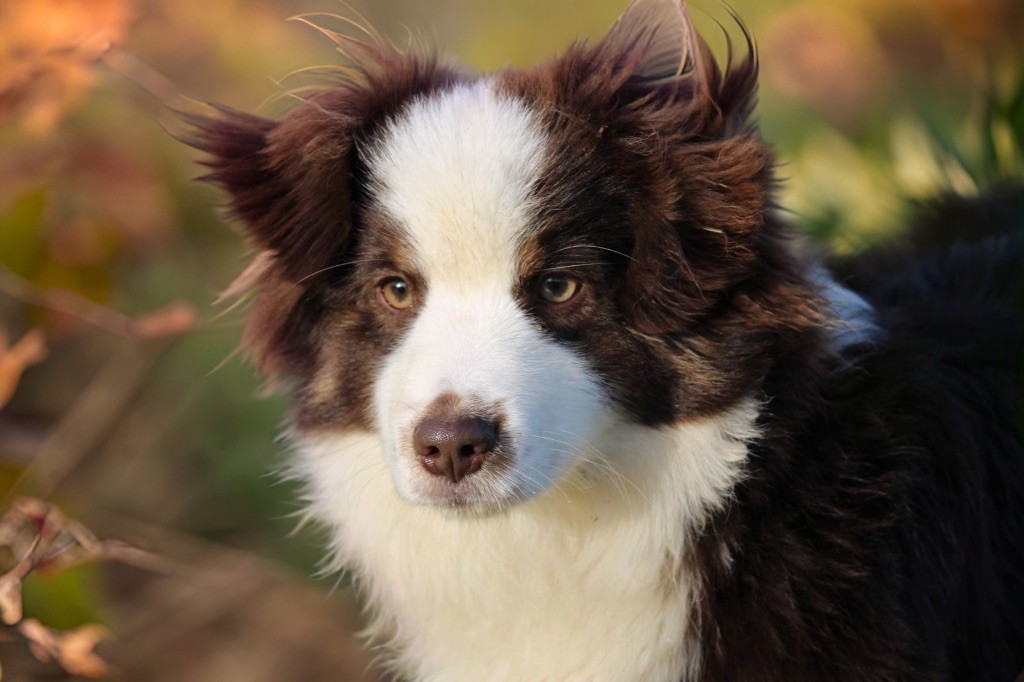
(292, 181)
(293, 184)
(288, 181)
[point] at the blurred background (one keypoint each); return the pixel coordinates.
(125, 416)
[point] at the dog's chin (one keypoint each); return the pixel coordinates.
(470, 496)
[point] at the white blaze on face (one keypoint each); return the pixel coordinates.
(455, 172)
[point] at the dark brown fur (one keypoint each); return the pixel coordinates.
(678, 184)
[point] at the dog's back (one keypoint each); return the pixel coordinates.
(955, 326)
(890, 481)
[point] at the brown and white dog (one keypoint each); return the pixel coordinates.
(573, 408)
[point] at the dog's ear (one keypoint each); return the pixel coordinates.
(658, 65)
(288, 181)
(294, 184)
(659, 39)
(708, 173)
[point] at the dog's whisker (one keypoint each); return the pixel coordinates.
(616, 477)
(567, 266)
(603, 462)
(548, 479)
(333, 267)
(593, 246)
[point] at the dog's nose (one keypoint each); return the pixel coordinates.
(454, 447)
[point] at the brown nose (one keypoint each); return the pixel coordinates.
(454, 447)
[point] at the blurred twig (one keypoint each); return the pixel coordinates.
(47, 540)
(129, 65)
(177, 318)
(93, 415)
(59, 543)
(97, 410)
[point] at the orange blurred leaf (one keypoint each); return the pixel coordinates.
(74, 650)
(42, 642)
(827, 55)
(77, 651)
(46, 49)
(14, 360)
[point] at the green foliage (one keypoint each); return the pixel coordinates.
(65, 600)
(22, 219)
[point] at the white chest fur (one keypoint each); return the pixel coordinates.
(586, 582)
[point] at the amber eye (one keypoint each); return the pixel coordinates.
(558, 288)
(397, 293)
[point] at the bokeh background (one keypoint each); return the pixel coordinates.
(121, 399)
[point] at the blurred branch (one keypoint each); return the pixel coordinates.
(47, 524)
(58, 543)
(93, 415)
(109, 395)
(176, 318)
(127, 64)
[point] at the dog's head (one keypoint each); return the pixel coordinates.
(490, 272)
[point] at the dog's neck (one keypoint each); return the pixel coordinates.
(590, 580)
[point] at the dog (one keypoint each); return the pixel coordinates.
(573, 405)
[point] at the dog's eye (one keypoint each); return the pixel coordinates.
(396, 293)
(558, 288)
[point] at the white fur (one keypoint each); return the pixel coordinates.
(455, 173)
(586, 581)
(455, 170)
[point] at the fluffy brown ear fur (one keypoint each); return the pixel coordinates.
(294, 183)
(290, 181)
(287, 180)
(707, 228)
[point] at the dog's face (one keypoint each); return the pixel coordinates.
(492, 272)
(485, 393)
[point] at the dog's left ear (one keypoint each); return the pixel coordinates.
(708, 175)
(658, 40)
